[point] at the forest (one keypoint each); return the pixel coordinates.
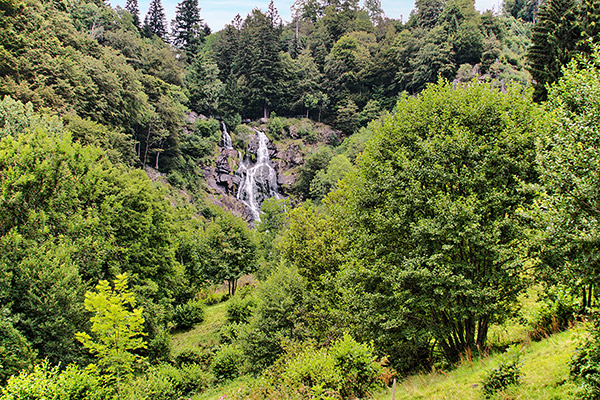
(318, 208)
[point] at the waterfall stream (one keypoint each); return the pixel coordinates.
(227, 143)
(258, 181)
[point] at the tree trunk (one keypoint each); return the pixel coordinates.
(147, 144)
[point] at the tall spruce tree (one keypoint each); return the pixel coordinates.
(133, 8)
(155, 22)
(553, 43)
(258, 62)
(188, 27)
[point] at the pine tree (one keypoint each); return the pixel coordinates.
(188, 27)
(155, 22)
(132, 7)
(553, 43)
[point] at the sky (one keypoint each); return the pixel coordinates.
(218, 13)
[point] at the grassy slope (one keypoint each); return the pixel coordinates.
(545, 367)
(545, 376)
(205, 334)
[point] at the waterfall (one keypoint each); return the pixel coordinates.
(227, 143)
(259, 181)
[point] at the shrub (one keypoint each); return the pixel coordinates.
(166, 382)
(277, 126)
(229, 333)
(358, 367)
(227, 362)
(189, 314)
(240, 309)
(211, 298)
(586, 364)
(159, 347)
(16, 353)
(198, 356)
(46, 382)
(557, 313)
(508, 372)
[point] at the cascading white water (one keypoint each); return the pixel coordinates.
(227, 143)
(259, 182)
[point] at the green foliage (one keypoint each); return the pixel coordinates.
(117, 327)
(276, 126)
(232, 250)
(586, 363)
(16, 353)
(433, 219)
(240, 309)
(346, 370)
(358, 367)
(553, 43)
(166, 382)
(282, 312)
(565, 213)
(227, 362)
(508, 372)
(189, 314)
(557, 313)
(45, 382)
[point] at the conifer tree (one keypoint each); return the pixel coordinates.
(133, 8)
(553, 43)
(188, 27)
(155, 22)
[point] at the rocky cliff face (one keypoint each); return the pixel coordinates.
(286, 156)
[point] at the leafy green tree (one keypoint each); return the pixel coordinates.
(553, 43)
(433, 214)
(233, 250)
(326, 179)
(188, 27)
(117, 327)
(567, 205)
(16, 354)
(155, 22)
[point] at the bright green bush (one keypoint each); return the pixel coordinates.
(585, 366)
(227, 362)
(46, 382)
(240, 309)
(189, 314)
(359, 369)
(166, 382)
(508, 372)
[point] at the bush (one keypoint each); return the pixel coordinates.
(46, 382)
(557, 313)
(212, 298)
(229, 333)
(240, 309)
(16, 353)
(277, 126)
(166, 382)
(347, 370)
(585, 366)
(189, 314)
(508, 372)
(198, 356)
(159, 348)
(227, 362)
(358, 367)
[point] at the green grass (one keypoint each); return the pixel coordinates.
(205, 334)
(545, 374)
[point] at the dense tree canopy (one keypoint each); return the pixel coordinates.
(433, 213)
